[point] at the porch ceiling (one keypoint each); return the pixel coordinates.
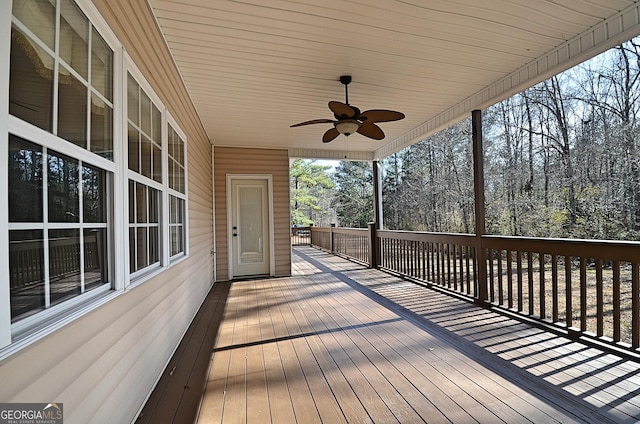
(255, 67)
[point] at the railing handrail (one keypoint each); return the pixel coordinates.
(349, 230)
(593, 249)
(465, 239)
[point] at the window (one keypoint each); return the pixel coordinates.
(59, 196)
(177, 199)
(145, 183)
(58, 243)
(144, 237)
(63, 88)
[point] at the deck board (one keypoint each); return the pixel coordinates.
(337, 342)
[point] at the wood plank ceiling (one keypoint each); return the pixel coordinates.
(254, 67)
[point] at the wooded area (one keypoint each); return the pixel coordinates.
(561, 160)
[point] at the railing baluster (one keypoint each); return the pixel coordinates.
(407, 257)
(543, 287)
(492, 295)
(599, 299)
(509, 280)
(635, 305)
(568, 294)
(455, 267)
(530, 282)
(418, 260)
(554, 287)
(438, 248)
(430, 261)
(427, 261)
(616, 300)
(500, 280)
(422, 261)
(477, 254)
(449, 282)
(519, 268)
(468, 266)
(583, 293)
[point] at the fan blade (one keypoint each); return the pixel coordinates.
(330, 135)
(371, 130)
(315, 121)
(380, 115)
(342, 111)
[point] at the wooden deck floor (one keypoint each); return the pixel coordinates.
(337, 342)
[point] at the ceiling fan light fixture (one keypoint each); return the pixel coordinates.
(347, 126)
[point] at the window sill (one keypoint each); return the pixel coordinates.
(25, 335)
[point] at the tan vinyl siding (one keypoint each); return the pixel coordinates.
(229, 160)
(103, 365)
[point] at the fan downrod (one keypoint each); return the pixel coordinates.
(345, 80)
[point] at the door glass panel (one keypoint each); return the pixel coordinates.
(250, 224)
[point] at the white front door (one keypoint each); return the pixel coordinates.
(250, 235)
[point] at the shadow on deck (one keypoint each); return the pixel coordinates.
(337, 342)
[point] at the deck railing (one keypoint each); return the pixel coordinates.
(588, 288)
(352, 243)
(300, 236)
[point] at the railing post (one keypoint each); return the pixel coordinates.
(478, 191)
(374, 250)
(377, 194)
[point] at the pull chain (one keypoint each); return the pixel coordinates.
(346, 147)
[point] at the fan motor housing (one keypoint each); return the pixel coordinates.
(345, 79)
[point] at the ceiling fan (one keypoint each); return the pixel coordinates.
(349, 119)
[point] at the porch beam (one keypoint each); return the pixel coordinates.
(478, 191)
